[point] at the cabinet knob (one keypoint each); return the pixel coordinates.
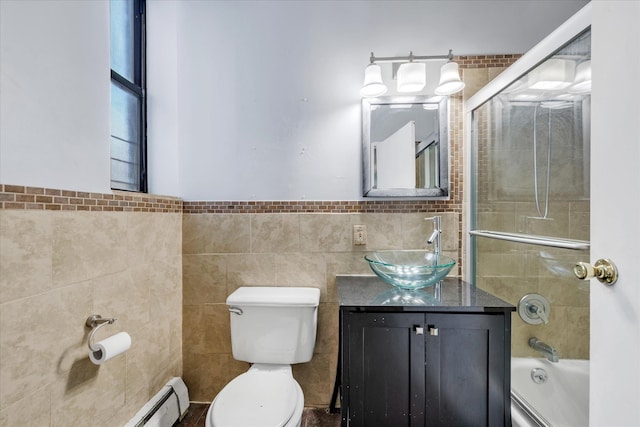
(433, 331)
(419, 330)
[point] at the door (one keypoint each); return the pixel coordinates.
(465, 369)
(385, 369)
(615, 213)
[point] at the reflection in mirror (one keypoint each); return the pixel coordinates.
(405, 147)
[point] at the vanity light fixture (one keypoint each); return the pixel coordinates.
(450, 81)
(373, 84)
(411, 75)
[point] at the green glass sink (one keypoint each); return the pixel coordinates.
(410, 269)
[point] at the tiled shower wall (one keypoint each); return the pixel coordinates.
(65, 255)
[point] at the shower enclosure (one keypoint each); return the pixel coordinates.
(529, 219)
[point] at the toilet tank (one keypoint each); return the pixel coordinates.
(273, 324)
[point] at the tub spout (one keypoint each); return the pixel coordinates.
(549, 352)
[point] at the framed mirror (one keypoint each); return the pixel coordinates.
(405, 143)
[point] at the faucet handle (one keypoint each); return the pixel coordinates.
(538, 310)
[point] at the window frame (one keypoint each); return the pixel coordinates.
(137, 88)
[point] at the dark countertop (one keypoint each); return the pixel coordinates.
(451, 295)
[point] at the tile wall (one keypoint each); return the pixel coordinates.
(225, 251)
(62, 260)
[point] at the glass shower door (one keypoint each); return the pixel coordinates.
(530, 197)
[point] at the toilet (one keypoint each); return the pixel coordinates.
(271, 328)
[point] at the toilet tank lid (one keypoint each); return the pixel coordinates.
(274, 296)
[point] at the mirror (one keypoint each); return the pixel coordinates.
(406, 147)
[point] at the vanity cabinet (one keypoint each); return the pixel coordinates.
(443, 362)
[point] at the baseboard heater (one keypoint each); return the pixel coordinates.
(164, 409)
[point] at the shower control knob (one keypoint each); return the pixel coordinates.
(603, 269)
(534, 309)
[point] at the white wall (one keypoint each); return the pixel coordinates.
(247, 100)
(268, 91)
(54, 94)
(162, 98)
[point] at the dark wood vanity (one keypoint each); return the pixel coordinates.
(438, 356)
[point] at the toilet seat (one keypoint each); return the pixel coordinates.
(255, 398)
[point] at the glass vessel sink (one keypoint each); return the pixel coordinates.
(410, 269)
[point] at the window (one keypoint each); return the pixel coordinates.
(128, 103)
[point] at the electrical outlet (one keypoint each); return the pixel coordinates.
(359, 234)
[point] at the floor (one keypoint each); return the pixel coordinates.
(311, 417)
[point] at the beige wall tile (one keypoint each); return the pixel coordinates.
(94, 398)
(37, 331)
(496, 264)
(204, 279)
(96, 261)
(206, 374)
(343, 263)
(87, 245)
(305, 270)
(26, 245)
(316, 379)
(474, 80)
(576, 346)
(579, 220)
(138, 361)
(151, 236)
(124, 296)
(328, 328)
(415, 230)
(384, 231)
(250, 270)
(275, 233)
(325, 233)
(216, 233)
(33, 410)
(206, 329)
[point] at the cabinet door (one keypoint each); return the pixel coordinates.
(385, 369)
(465, 370)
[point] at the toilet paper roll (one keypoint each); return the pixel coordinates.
(110, 347)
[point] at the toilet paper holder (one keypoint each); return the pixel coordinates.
(95, 322)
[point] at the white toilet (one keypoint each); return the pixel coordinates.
(271, 327)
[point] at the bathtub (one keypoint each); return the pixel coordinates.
(560, 400)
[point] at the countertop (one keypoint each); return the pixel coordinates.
(360, 292)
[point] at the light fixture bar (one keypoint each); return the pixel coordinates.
(409, 58)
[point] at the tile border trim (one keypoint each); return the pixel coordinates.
(39, 198)
(364, 206)
(16, 197)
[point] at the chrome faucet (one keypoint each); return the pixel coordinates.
(549, 352)
(434, 239)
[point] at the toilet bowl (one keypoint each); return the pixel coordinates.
(264, 396)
